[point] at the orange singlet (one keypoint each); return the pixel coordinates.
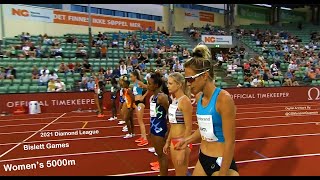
(128, 98)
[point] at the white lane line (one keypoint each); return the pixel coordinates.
(239, 162)
(147, 118)
(31, 136)
(138, 149)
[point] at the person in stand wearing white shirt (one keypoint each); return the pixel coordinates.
(257, 82)
(53, 75)
(177, 67)
(123, 70)
(43, 79)
(293, 66)
(60, 86)
(231, 68)
(45, 69)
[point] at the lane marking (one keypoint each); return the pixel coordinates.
(31, 136)
(138, 149)
(239, 162)
(259, 154)
(147, 111)
(85, 123)
(147, 118)
(194, 123)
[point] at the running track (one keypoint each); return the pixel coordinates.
(272, 139)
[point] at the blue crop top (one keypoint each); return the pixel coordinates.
(209, 120)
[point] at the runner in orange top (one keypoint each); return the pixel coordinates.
(128, 111)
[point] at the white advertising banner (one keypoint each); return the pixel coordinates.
(216, 40)
(28, 13)
(191, 15)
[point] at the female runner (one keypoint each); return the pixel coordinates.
(216, 114)
(180, 118)
(139, 106)
(159, 103)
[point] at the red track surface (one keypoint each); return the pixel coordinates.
(274, 138)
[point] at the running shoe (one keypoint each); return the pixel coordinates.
(152, 150)
(156, 168)
(155, 154)
(138, 140)
(100, 115)
(111, 119)
(121, 122)
(156, 163)
(125, 127)
(127, 136)
(143, 143)
(124, 130)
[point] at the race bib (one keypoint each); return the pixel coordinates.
(153, 112)
(172, 113)
(206, 128)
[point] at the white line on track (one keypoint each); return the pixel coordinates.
(239, 108)
(119, 126)
(91, 121)
(31, 136)
(239, 162)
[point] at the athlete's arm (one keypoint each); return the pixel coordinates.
(163, 100)
(142, 85)
(186, 109)
(227, 110)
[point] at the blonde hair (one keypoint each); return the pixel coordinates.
(201, 60)
(179, 78)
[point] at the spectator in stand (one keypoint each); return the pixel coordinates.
(86, 66)
(99, 42)
(135, 62)
(142, 66)
(53, 75)
(34, 72)
(56, 51)
(108, 75)
(26, 49)
(70, 67)
(60, 86)
(100, 35)
(129, 65)
(84, 81)
(77, 67)
(81, 51)
(123, 69)
(311, 75)
(90, 84)
(288, 78)
(11, 73)
(178, 67)
(126, 44)
(231, 68)
(51, 86)
(185, 53)
(63, 68)
(44, 69)
(2, 73)
(293, 66)
(116, 72)
(257, 82)
(103, 51)
(43, 79)
(114, 43)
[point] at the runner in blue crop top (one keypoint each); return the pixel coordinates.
(216, 114)
(159, 104)
(139, 101)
